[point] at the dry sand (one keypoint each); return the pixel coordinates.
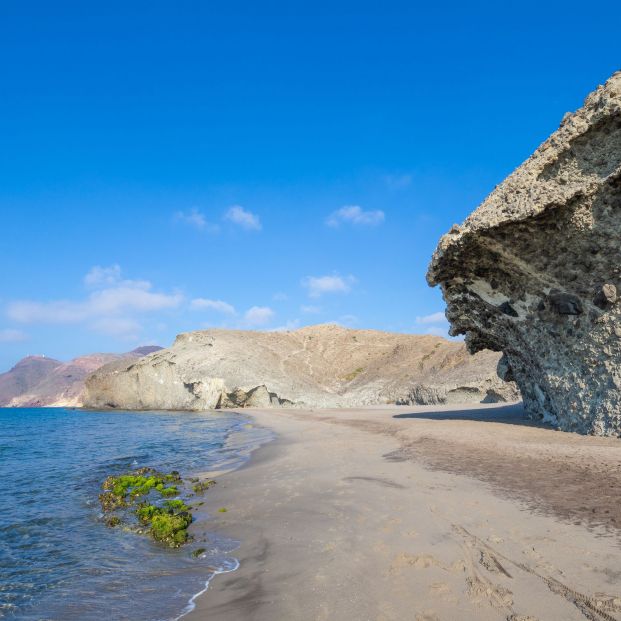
(421, 514)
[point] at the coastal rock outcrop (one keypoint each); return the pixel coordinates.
(534, 272)
(318, 366)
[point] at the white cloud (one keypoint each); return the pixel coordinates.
(195, 219)
(215, 305)
(310, 309)
(258, 316)
(319, 285)
(438, 317)
(437, 324)
(99, 275)
(240, 216)
(353, 214)
(110, 301)
(9, 335)
(113, 307)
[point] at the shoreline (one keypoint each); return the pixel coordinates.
(425, 513)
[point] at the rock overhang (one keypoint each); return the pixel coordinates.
(534, 271)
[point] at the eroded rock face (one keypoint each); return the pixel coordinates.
(317, 366)
(535, 271)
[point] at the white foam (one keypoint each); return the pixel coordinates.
(234, 564)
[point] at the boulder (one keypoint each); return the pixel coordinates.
(534, 271)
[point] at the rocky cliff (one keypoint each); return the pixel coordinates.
(37, 381)
(318, 366)
(534, 272)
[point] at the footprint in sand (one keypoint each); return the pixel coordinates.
(417, 561)
(440, 588)
(481, 590)
(442, 591)
(492, 564)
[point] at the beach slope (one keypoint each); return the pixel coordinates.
(419, 513)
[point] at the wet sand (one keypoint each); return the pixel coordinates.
(422, 514)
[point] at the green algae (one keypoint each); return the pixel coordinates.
(142, 500)
(176, 505)
(200, 487)
(170, 529)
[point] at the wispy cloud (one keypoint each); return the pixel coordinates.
(112, 307)
(196, 219)
(310, 309)
(438, 317)
(436, 324)
(320, 285)
(438, 331)
(353, 214)
(110, 301)
(243, 218)
(214, 305)
(280, 296)
(99, 275)
(8, 335)
(258, 316)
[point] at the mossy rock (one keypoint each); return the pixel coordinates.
(110, 502)
(165, 518)
(171, 529)
(202, 486)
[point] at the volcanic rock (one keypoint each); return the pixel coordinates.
(534, 271)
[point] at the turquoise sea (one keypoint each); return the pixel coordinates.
(58, 560)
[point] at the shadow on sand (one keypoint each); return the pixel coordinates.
(513, 414)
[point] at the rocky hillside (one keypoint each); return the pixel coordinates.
(37, 381)
(318, 366)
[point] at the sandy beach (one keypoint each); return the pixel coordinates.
(420, 513)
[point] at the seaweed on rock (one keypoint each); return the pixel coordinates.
(142, 500)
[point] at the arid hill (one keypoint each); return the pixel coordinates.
(317, 366)
(37, 381)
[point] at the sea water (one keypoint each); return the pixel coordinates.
(58, 559)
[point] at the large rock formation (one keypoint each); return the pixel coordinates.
(535, 271)
(38, 381)
(319, 366)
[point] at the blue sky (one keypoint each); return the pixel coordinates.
(172, 166)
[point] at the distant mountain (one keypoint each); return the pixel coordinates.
(37, 381)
